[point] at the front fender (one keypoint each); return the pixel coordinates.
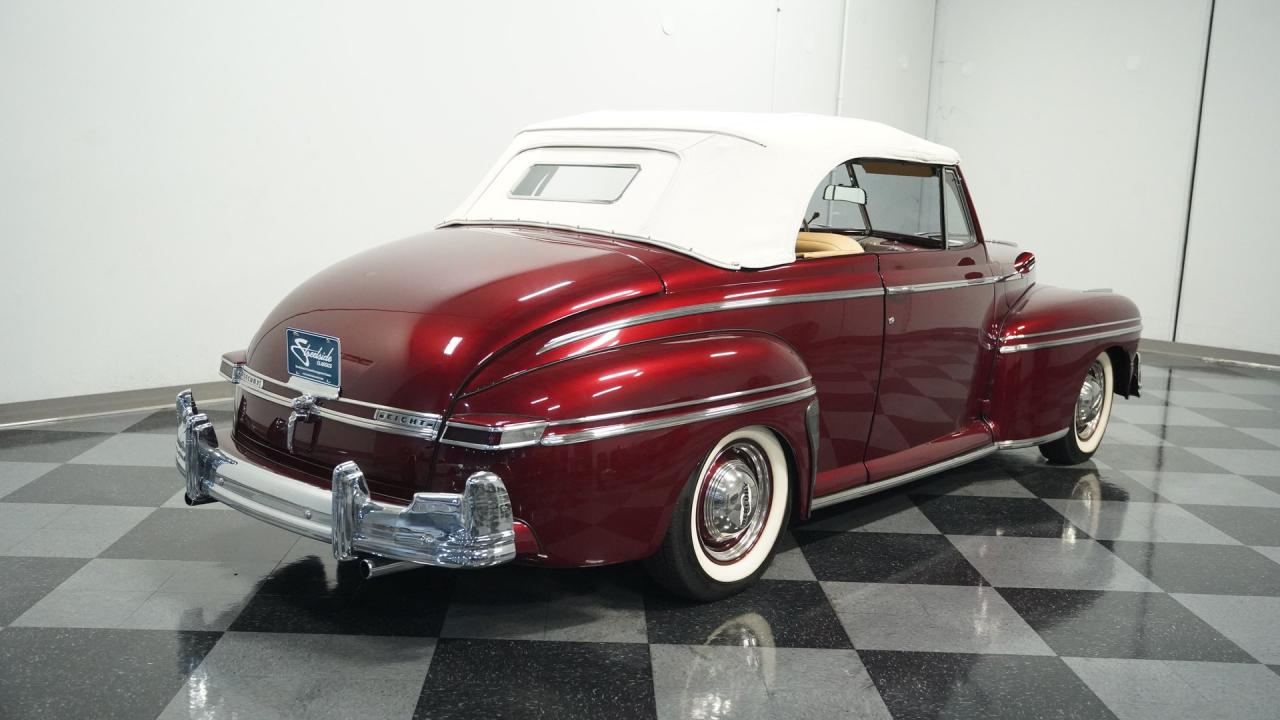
(627, 428)
(1044, 348)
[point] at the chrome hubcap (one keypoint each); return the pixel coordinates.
(1089, 404)
(734, 501)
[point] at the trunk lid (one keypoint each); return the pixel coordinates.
(414, 319)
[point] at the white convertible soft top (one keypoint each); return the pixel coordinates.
(728, 188)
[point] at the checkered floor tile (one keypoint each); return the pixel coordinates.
(1144, 584)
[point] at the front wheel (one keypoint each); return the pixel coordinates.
(726, 523)
(1090, 418)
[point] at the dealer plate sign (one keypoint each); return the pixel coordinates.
(312, 356)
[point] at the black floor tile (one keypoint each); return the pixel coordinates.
(1078, 483)
(778, 613)
(303, 597)
(1202, 569)
(1015, 517)
(1154, 457)
(163, 421)
(93, 673)
(1243, 418)
(886, 557)
(486, 679)
(100, 485)
(926, 685)
(1206, 437)
(202, 534)
(46, 445)
(24, 580)
(1114, 624)
(1249, 525)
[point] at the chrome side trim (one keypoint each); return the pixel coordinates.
(875, 487)
(1005, 349)
(672, 406)
(946, 285)
(1030, 442)
(607, 431)
(1077, 328)
(429, 422)
(672, 313)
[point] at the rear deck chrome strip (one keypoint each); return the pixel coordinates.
(672, 313)
(607, 431)
(427, 431)
(875, 487)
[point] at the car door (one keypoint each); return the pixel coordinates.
(939, 313)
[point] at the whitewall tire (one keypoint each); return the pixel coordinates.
(726, 524)
(1089, 417)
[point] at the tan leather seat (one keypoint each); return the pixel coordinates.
(820, 244)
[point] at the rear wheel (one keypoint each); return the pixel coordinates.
(1090, 418)
(728, 519)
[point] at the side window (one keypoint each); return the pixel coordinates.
(959, 230)
(891, 200)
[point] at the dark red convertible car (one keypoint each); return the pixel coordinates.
(658, 337)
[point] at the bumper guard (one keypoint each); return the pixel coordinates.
(473, 528)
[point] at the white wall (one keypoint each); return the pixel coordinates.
(1076, 125)
(887, 53)
(169, 170)
(1231, 297)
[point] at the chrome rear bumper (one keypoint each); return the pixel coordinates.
(473, 528)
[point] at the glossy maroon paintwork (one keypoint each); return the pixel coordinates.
(455, 322)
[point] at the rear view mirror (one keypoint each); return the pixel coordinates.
(844, 193)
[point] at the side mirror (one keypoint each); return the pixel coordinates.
(1024, 263)
(844, 193)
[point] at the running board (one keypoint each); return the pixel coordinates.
(875, 487)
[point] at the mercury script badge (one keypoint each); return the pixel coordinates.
(408, 420)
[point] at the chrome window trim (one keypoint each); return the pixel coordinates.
(672, 406)
(875, 487)
(607, 431)
(719, 306)
(1023, 347)
(429, 432)
(1077, 328)
(1030, 442)
(945, 285)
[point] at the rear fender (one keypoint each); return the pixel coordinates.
(627, 428)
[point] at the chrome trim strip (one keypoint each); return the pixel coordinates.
(1030, 442)
(607, 431)
(1005, 349)
(429, 432)
(946, 285)
(875, 487)
(672, 313)
(1024, 336)
(673, 406)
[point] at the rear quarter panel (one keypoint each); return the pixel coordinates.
(609, 500)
